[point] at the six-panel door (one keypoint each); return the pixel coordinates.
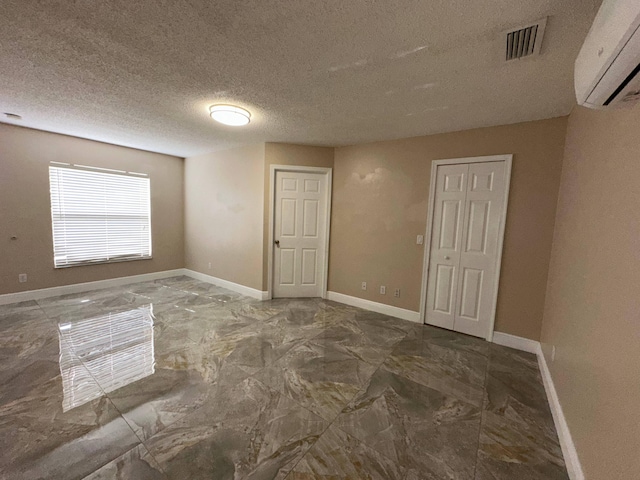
(468, 209)
(299, 233)
(446, 240)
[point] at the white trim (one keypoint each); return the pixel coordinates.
(508, 159)
(427, 245)
(390, 310)
(519, 343)
(569, 452)
(272, 199)
(235, 287)
(85, 287)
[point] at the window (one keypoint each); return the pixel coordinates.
(98, 216)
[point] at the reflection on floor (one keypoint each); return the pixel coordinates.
(179, 379)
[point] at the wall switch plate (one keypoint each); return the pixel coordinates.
(553, 353)
(396, 293)
(383, 290)
(420, 240)
(22, 278)
(209, 265)
(364, 285)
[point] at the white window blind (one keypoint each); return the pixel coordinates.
(99, 217)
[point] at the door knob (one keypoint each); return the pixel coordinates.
(446, 257)
(277, 242)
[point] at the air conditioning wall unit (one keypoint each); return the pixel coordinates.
(607, 69)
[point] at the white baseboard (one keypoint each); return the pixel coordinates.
(234, 287)
(85, 287)
(519, 343)
(569, 452)
(375, 306)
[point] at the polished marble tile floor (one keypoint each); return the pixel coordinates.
(179, 379)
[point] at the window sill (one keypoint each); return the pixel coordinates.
(102, 262)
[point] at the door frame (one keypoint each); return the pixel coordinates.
(508, 159)
(273, 169)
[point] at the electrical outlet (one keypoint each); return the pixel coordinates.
(364, 285)
(209, 265)
(396, 293)
(22, 278)
(383, 289)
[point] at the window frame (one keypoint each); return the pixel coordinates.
(109, 171)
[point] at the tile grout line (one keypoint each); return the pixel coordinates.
(106, 395)
(330, 423)
(482, 412)
(362, 389)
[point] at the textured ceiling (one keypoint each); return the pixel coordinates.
(332, 72)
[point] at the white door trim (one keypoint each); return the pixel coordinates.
(508, 159)
(272, 199)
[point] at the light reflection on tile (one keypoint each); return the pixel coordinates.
(178, 378)
(116, 349)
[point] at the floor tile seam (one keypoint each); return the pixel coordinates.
(158, 433)
(412, 381)
(46, 315)
(108, 397)
(107, 463)
(193, 412)
(268, 387)
(448, 394)
(374, 345)
(128, 426)
(482, 387)
(482, 414)
(186, 335)
(365, 443)
(205, 295)
(166, 425)
(104, 393)
(331, 423)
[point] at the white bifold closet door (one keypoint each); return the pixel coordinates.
(468, 211)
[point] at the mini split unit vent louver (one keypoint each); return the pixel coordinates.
(525, 41)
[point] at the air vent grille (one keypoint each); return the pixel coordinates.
(525, 41)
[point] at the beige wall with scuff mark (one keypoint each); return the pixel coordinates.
(224, 194)
(592, 311)
(288, 154)
(25, 208)
(380, 200)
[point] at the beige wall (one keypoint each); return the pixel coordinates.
(380, 199)
(25, 207)
(592, 312)
(224, 194)
(288, 154)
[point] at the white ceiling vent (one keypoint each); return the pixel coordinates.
(525, 41)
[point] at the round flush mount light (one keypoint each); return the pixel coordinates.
(230, 115)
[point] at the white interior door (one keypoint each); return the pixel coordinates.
(299, 234)
(479, 252)
(467, 218)
(446, 239)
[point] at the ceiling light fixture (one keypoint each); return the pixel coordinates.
(230, 115)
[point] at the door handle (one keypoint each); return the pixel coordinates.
(446, 257)
(277, 242)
